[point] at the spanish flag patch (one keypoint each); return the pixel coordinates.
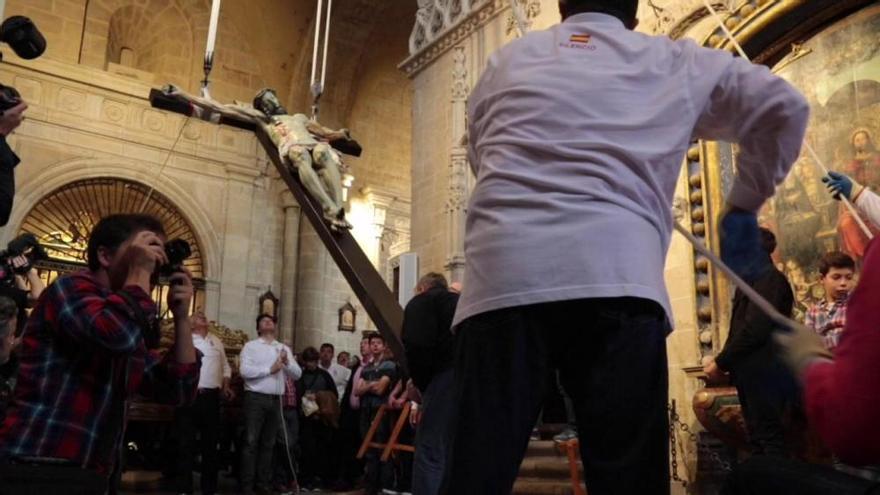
(580, 38)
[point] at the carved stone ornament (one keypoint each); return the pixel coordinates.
(459, 74)
(443, 24)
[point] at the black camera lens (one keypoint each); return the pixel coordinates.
(23, 36)
(177, 250)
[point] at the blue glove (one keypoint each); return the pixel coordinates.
(741, 245)
(841, 185)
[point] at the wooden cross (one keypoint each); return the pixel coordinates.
(369, 287)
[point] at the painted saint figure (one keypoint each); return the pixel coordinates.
(302, 142)
(865, 169)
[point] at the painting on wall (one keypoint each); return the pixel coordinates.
(838, 70)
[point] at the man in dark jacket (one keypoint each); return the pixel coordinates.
(315, 436)
(9, 121)
(430, 344)
(767, 389)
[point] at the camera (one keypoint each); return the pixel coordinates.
(22, 35)
(177, 251)
(26, 245)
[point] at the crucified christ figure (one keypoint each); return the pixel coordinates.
(302, 142)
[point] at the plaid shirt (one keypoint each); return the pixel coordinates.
(289, 397)
(827, 319)
(81, 346)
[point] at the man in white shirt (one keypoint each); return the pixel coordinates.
(340, 373)
(577, 136)
(204, 414)
(263, 361)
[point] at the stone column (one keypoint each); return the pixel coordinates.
(235, 307)
(457, 194)
(313, 289)
(290, 258)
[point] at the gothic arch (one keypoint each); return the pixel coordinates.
(63, 173)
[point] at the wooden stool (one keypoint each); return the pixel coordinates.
(392, 446)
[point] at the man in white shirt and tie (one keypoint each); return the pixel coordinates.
(204, 414)
(577, 136)
(263, 360)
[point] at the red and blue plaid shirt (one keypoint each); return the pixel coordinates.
(827, 320)
(81, 346)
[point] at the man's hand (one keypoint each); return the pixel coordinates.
(801, 347)
(140, 258)
(712, 371)
(19, 261)
(12, 118)
(842, 185)
(741, 244)
(228, 393)
(415, 415)
(180, 294)
(276, 367)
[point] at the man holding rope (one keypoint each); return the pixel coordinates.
(577, 135)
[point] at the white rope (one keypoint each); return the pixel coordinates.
(162, 168)
(846, 202)
(726, 31)
(818, 161)
(747, 290)
(317, 41)
(326, 44)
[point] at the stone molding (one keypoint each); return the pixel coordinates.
(429, 41)
(117, 108)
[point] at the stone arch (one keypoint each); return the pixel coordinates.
(159, 32)
(63, 219)
(60, 174)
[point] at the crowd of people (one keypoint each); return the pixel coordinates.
(306, 415)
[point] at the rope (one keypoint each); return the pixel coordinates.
(164, 164)
(760, 301)
(321, 37)
(317, 41)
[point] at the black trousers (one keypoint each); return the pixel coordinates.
(770, 399)
(611, 354)
(203, 416)
(262, 418)
(315, 440)
(768, 475)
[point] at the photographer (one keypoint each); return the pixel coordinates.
(9, 121)
(83, 354)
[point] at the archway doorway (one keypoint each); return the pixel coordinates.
(63, 219)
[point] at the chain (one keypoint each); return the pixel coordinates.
(673, 441)
(675, 420)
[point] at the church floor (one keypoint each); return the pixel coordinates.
(150, 483)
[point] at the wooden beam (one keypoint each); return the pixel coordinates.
(366, 282)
